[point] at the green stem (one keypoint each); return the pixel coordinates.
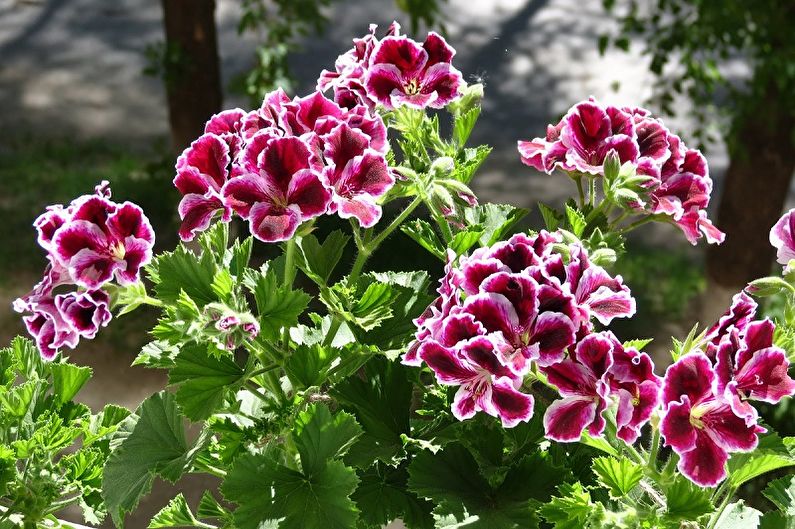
(289, 277)
(618, 219)
(255, 391)
(580, 192)
(592, 190)
(654, 450)
(375, 243)
(630, 227)
(264, 370)
(443, 226)
(365, 251)
(719, 511)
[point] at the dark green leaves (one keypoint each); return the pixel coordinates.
(686, 501)
(319, 260)
(451, 478)
(771, 453)
(154, 444)
(181, 270)
(203, 380)
(266, 490)
(382, 497)
(278, 305)
(496, 220)
(571, 509)
(67, 380)
(319, 436)
(619, 476)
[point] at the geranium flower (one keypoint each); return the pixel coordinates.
(583, 382)
(228, 126)
(202, 170)
(636, 388)
(603, 296)
(485, 385)
(357, 174)
(739, 315)
(590, 132)
(103, 239)
(782, 237)
(85, 312)
(283, 193)
(699, 424)
(403, 72)
(348, 79)
(750, 367)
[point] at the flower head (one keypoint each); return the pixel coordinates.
(782, 237)
(404, 72)
(699, 424)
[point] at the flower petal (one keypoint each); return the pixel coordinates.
(565, 419)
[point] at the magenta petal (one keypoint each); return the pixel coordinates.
(782, 237)
(442, 80)
(572, 378)
(475, 271)
(606, 304)
(209, 154)
(464, 404)
(270, 223)
(512, 406)
(382, 81)
(196, 212)
(494, 311)
(309, 194)
(282, 158)
(727, 429)
(690, 376)
(362, 208)
(554, 333)
(595, 352)
(243, 192)
(565, 419)
(446, 365)
(137, 253)
(226, 122)
(86, 312)
(705, 464)
(458, 328)
(676, 427)
(520, 290)
(129, 220)
(314, 106)
(48, 223)
(764, 377)
(437, 48)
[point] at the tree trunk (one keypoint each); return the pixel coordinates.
(194, 85)
(754, 193)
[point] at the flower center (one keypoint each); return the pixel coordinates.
(696, 415)
(117, 250)
(412, 88)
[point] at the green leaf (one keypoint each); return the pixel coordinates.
(470, 161)
(209, 507)
(464, 123)
(223, 285)
(410, 298)
(319, 436)
(158, 354)
(175, 514)
(28, 358)
(130, 298)
(319, 261)
(203, 380)
(576, 220)
(278, 305)
(452, 479)
(154, 444)
(782, 493)
(738, 516)
(464, 240)
(241, 255)
(619, 476)
(265, 491)
(600, 443)
(381, 402)
(638, 343)
(776, 520)
(181, 270)
(382, 497)
(686, 500)
(771, 453)
(496, 220)
(373, 305)
(67, 380)
(552, 217)
(308, 365)
(215, 240)
(422, 233)
(571, 509)
(17, 401)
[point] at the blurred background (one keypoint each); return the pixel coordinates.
(92, 90)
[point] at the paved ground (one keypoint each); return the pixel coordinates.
(73, 69)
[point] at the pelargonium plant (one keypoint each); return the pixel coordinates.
(330, 395)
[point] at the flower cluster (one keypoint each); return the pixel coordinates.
(89, 243)
(505, 307)
(678, 183)
(287, 162)
(706, 393)
(598, 372)
(394, 71)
